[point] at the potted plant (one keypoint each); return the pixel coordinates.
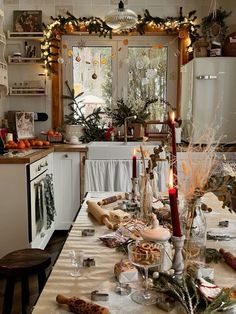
(138, 115)
(89, 128)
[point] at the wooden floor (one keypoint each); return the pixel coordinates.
(54, 248)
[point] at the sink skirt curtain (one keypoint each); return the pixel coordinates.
(115, 175)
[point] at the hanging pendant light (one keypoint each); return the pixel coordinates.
(121, 18)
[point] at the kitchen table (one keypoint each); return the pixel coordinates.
(101, 277)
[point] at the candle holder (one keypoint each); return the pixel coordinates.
(134, 192)
(178, 260)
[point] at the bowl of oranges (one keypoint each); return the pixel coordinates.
(53, 136)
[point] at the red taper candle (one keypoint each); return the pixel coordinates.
(174, 154)
(174, 208)
(134, 158)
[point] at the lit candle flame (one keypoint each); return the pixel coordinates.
(171, 185)
(134, 152)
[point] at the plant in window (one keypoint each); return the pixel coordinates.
(93, 128)
(124, 110)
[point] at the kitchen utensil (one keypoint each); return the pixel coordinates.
(80, 306)
(99, 214)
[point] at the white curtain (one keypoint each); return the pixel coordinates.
(115, 175)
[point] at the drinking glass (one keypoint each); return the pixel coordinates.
(145, 254)
(76, 261)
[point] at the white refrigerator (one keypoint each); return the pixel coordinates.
(208, 99)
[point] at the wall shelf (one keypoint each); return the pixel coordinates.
(27, 91)
(23, 60)
(25, 35)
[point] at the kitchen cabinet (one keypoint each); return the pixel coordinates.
(15, 222)
(66, 188)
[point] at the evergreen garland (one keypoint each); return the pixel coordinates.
(66, 25)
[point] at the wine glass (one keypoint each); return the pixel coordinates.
(77, 261)
(145, 254)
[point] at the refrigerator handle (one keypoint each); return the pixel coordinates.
(206, 77)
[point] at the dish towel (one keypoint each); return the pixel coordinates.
(115, 175)
(39, 206)
(49, 199)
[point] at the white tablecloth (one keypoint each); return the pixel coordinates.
(101, 276)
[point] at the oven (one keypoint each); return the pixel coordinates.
(39, 230)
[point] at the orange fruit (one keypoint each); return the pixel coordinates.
(46, 143)
(39, 143)
(7, 146)
(21, 145)
(27, 143)
(50, 132)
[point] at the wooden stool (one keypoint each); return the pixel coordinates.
(20, 265)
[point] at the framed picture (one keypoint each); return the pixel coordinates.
(27, 21)
(25, 125)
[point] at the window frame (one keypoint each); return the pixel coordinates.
(120, 52)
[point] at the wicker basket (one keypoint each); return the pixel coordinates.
(54, 139)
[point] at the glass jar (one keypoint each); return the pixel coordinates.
(194, 228)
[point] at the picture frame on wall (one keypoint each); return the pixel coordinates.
(27, 21)
(25, 125)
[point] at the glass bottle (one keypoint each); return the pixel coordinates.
(195, 228)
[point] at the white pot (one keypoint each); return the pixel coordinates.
(73, 131)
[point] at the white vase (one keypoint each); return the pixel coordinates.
(72, 131)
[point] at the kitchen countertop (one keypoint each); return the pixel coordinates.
(30, 155)
(25, 156)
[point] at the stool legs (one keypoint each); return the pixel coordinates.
(8, 295)
(41, 280)
(24, 294)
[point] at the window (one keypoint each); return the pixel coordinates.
(134, 68)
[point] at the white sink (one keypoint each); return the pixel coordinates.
(117, 150)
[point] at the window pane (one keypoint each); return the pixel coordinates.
(148, 77)
(92, 75)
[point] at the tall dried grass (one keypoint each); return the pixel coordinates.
(197, 169)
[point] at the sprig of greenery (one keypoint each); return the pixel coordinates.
(220, 303)
(187, 294)
(185, 291)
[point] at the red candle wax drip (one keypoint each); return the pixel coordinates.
(134, 158)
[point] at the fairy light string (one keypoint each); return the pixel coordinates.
(185, 26)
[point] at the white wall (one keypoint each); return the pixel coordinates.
(79, 8)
